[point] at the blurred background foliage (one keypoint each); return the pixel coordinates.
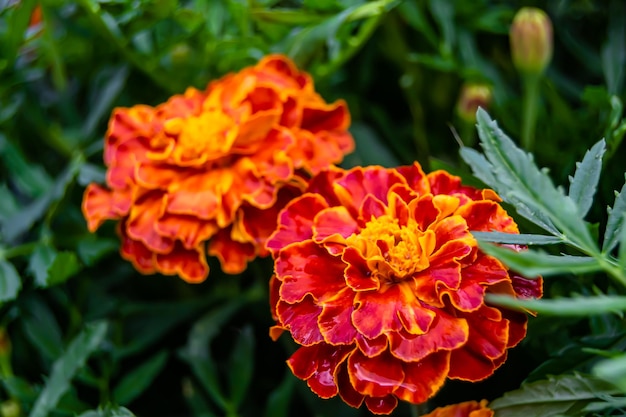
(81, 333)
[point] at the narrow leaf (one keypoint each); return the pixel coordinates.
(137, 380)
(621, 255)
(278, 401)
(564, 307)
(108, 412)
(518, 180)
(516, 239)
(551, 397)
(615, 221)
(613, 370)
(30, 179)
(241, 366)
(532, 263)
(10, 282)
(206, 372)
(585, 180)
(66, 366)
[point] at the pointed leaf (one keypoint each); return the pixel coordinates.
(278, 400)
(551, 397)
(613, 370)
(64, 368)
(241, 366)
(10, 282)
(621, 255)
(140, 378)
(531, 263)
(585, 180)
(564, 307)
(50, 267)
(518, 180)
(64, 266)
(516, 239)
(615, 221)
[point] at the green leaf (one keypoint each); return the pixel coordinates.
(8, 203)
(91, 249)
(19, 388)
(551, 397)
(205, 370)
(585, 180)
(516, 239)
(64, 368)
(10, 282)
(41, 327)
(108, 412)
(621, 255)
(564, 307)
(613, 370)
(613, 55)
(278, 400)
(531, 263)
(519, 182)
(31, 179)
(241, 366)
(50, 267)
(140, 378)
(108, 84)
(615, 222)
(370, 149)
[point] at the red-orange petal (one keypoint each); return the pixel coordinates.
(334, 321)
(141, 224)
(331, 222)
(381, 405)
(99, 204)
(296, 221)
(375, 377)
(189, 264)
(136, 252)
(391, 309)
(464, 409)
(301, 320)
(233, 256)
(425, 378)
(445, 333)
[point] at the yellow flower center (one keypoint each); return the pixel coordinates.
(403, 249)
(207, 136)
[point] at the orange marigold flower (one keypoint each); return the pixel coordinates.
(379, 280)
(465, 409)
(214, 166)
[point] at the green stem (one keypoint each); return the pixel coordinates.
(530, 102)
(24, 249)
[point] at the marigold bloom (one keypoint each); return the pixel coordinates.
(465, 409)
(214, 166)
(379, 280)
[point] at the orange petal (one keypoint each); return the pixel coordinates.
(390, 310)
(136, 252)
(100, 204)
(375, 377)
(141, 224)
(233, 256)
(189, 264)
(190, 230)
(381, 405)
(301, 320)
(295, 223)
(464, 409)
(446, 333)
(307, 268)
(425, 378)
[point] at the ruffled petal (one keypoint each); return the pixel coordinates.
(424, 378)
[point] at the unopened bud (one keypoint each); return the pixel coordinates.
(10, 408)
(471, 97)
(531, 40)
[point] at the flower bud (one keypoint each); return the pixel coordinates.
(10, 408)
(531, 40)
(471, 97)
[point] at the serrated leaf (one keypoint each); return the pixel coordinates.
(585, 180)
(241, 366)
(64, 368)
(516, 239)
(613, 370)
(516, 178)
(564, 307)
(551, 397)
(531, 263)
(10, 282)
(621, 254)
(140, 378)
(615, 221)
